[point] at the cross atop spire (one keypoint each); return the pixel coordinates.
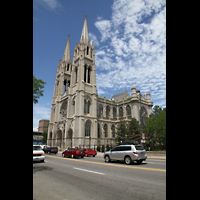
(67, 56)
(84, 34)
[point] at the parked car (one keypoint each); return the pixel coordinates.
(73, 153)
(89, 152)
(51, 150)
(126, 153)
(38, 153)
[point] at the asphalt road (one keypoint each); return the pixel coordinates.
(92, 178)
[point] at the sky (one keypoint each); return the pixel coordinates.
(129, 38)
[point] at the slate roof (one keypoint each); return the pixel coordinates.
(121, 95)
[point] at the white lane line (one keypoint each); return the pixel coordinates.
(89, 171)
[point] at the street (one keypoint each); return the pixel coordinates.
(92, 178)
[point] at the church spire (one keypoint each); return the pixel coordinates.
(84, 35)
(67, 56)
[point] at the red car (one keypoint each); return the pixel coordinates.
(73, 153)
(90, 152)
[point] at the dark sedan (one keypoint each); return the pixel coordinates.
(51, 150)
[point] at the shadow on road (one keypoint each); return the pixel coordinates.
(133, 163)
(40, 167)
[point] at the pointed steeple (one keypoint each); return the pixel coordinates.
(67, 56)
(84, 35)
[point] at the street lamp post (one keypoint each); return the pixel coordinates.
(141, 121)
(89, 141)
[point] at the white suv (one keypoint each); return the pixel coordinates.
(38, 153)
(126, 153)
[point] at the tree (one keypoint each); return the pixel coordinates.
(121, 131)
(44, 139)
(38, 84)
(129, 131)
(155, 129)
(134, 130)
(44, 134)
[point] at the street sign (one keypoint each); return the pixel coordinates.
(142, 141)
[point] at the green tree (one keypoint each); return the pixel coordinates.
(44, 139)
(134, 130)
(155, 129)
(121, 131)
(44, 134)
(38, 84)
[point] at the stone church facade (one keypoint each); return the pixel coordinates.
(79, 117)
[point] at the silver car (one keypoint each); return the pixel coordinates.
(126, 153)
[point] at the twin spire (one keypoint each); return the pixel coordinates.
(67, 56)
(84, 34)
(84, 38)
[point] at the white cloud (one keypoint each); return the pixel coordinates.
(35, 129)
(93, 38)
(104, 28)
(136, 53)
(40, 112)
(51, 3)
(47, 4)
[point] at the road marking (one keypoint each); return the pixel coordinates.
(89, 171)
(107, 164)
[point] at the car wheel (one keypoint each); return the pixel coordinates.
(42, 160)
(107, 159)
(72, 155)
(93, 155)
(86, 155)
(127, 160)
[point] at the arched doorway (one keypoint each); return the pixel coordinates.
(59, 138)
(69, 138)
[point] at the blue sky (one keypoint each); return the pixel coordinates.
(129, 38)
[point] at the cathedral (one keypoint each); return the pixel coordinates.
(81, 118)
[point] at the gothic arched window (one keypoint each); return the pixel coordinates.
(128, 110)
(88, 107)
(98, 131)
(113, 131)
(106, 130)
(120, 112)
(87, 128)
(107, 111)
(85, 69)
(100, 110)
(89, 73)
(76, 71)
(114, 113)
(85, 106)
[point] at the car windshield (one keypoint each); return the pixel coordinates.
(37, 148)
(139, 147)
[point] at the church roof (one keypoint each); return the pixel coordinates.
(121, 95)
